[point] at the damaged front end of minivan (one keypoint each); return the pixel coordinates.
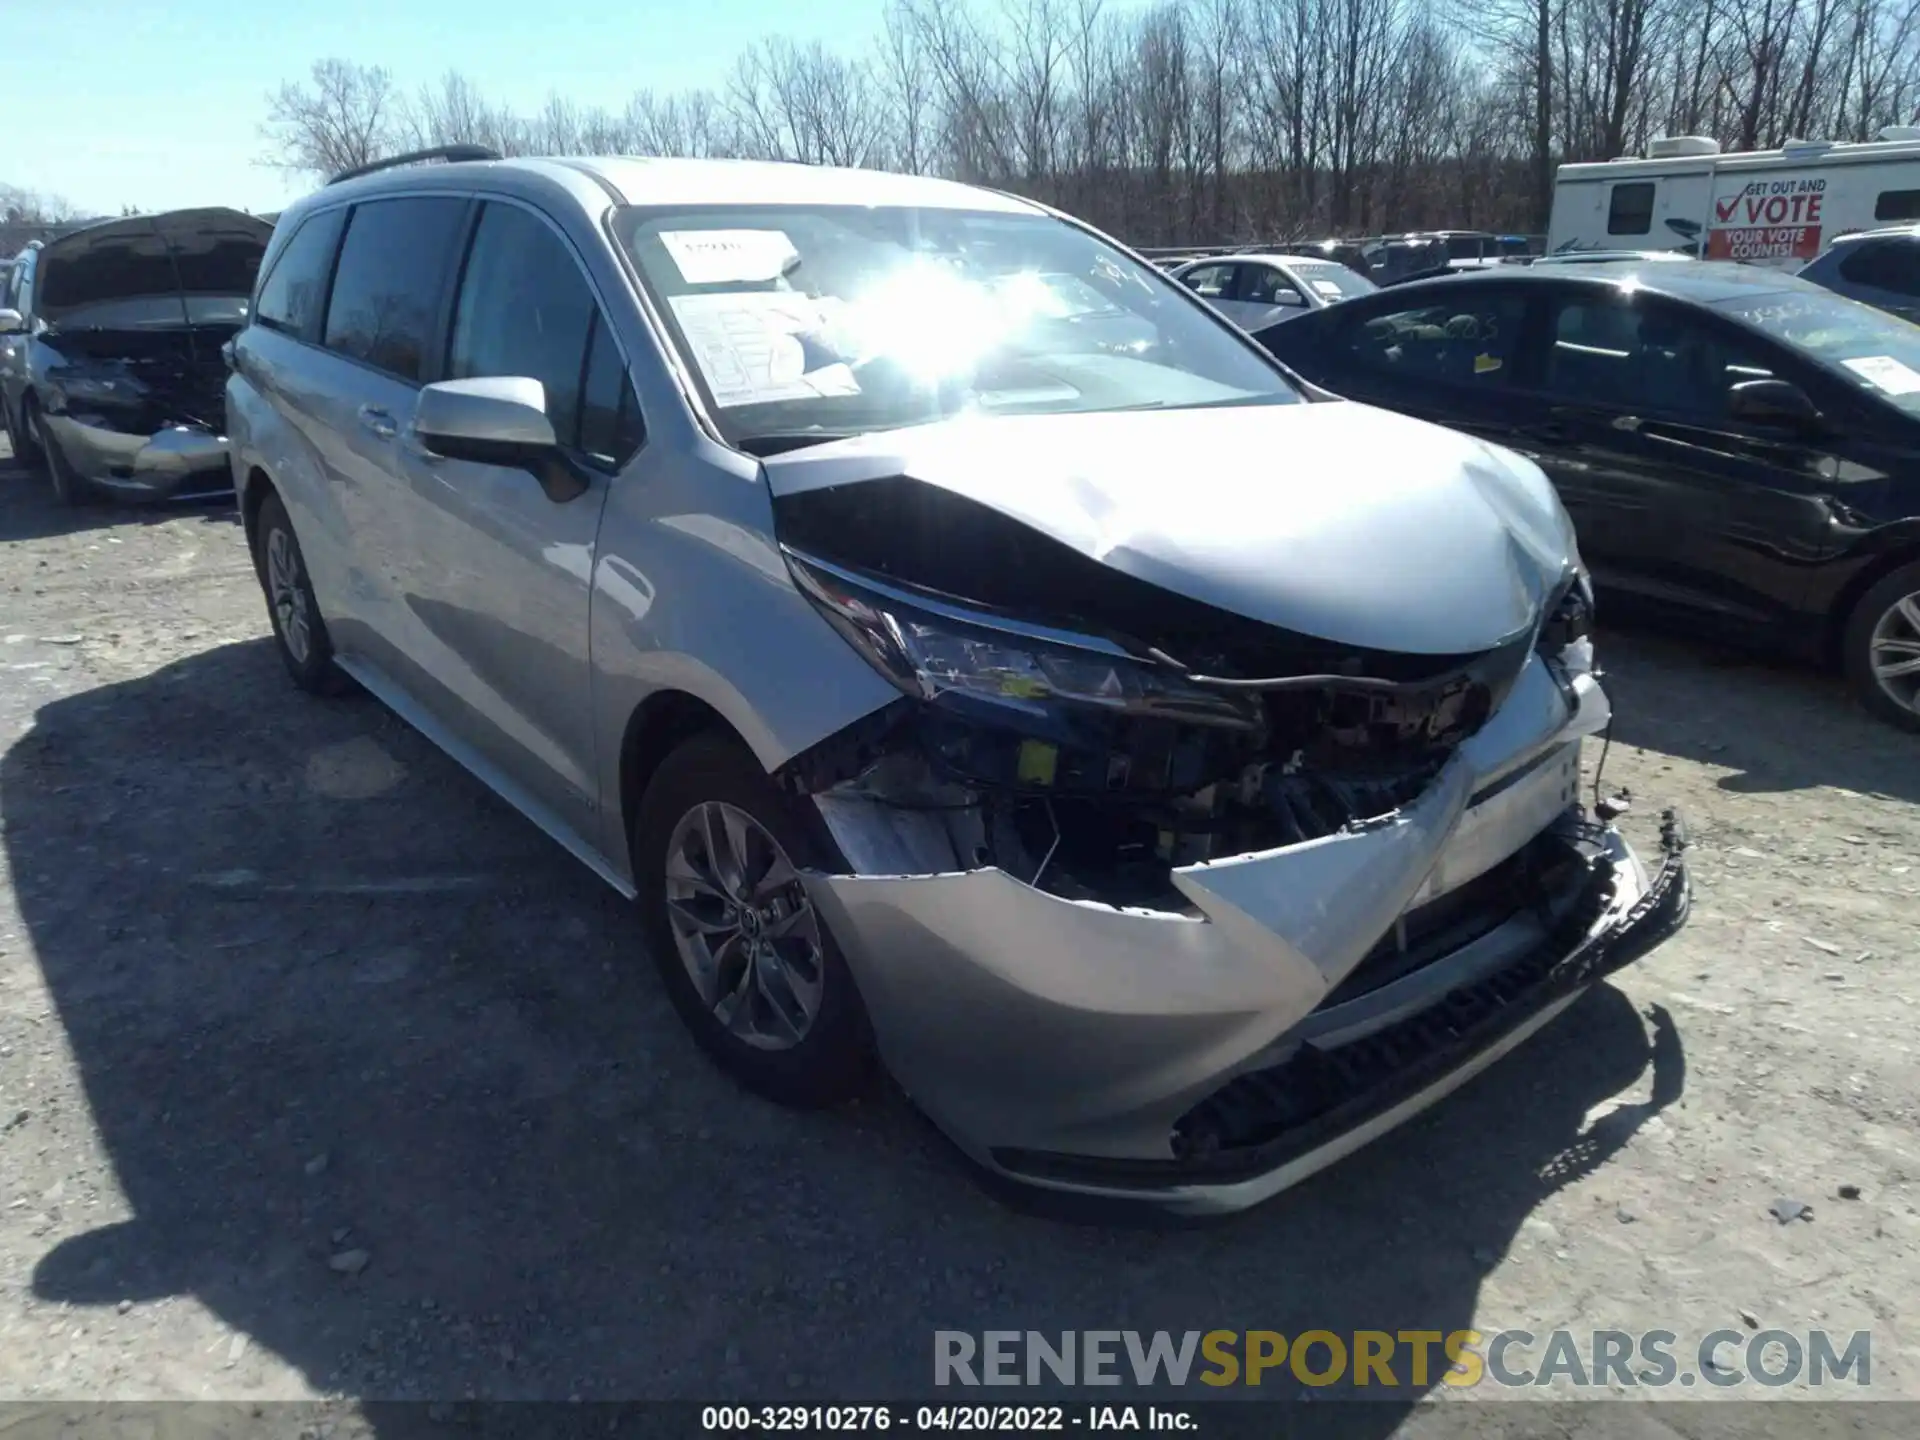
(1153, 898)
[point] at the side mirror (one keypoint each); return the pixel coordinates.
(497, 421)
(12, 322)
(1777, 404)
(1289, 297)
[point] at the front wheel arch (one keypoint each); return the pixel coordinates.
(1840, 614)
(253, 494)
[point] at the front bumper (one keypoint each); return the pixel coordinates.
(177, 460)
(1085, 1047)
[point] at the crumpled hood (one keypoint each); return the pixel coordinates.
(1334, 520)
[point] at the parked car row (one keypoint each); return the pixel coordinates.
(1257, 290)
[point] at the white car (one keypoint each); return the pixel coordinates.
(1255, 291)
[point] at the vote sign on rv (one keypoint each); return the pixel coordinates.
(1769, 220)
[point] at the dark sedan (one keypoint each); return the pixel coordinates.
(1739, 449)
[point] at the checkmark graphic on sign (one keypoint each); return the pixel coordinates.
(1725, 208)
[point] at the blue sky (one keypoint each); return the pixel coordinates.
(158, 103)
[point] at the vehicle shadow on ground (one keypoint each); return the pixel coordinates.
(29, 511)
(332, 1004)
(1699, 703)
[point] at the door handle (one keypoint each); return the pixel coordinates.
(379, 422)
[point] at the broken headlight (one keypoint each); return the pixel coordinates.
(935, 651)
(1568, 627)
(69, 386)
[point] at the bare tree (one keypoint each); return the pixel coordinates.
(345, 115)
(1187, 121)
(19, 206)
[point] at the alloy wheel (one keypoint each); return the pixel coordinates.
(1894, 651)
(744, 927)
(288, 595)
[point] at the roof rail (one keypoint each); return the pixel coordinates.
(452, 154)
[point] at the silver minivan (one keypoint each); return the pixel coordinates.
(975, 656)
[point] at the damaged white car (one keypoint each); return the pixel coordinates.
(110, 352)
(973, 653)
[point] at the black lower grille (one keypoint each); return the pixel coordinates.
(1255, 1108)
(1259, 1122)
(1528, 880)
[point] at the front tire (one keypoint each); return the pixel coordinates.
(746, 959)
(69, 486)
(1881, 648)
(299, 632)
(26, 442)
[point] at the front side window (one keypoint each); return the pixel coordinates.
(1867, 347)
(387, 287)
(296, 287)
(1630, 209)
(610, 429)
(524, 309)
(805, 322)
(1267, 286)
(1474, 339)
(1646, 356)
(1213, 281)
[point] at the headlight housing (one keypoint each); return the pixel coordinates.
(1566, 634)
(66, 388)
(962, 659)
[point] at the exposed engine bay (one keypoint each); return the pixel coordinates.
(131, 315)
(1088, 732)
(141, 381)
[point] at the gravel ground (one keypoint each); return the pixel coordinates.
(322, 1074)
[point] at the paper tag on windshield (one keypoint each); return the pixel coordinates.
(1885, 374)
(729, 257)
(1327, 288)
(761, 346)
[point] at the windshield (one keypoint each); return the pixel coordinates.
(1334, 282)
(1872, 349)
(1466, 247)
(811, 322)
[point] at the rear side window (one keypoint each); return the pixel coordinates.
(1473, 340)
(1897, 205)
(524, 309)
(296, 287)
(1889, 266)
(387, 287)
(1630, 209)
